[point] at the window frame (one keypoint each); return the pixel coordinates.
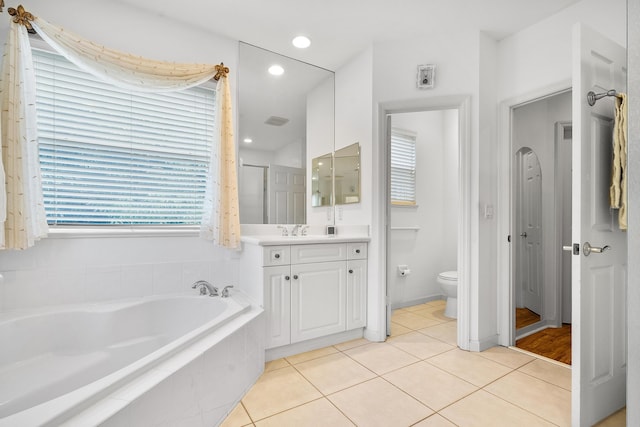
(407, 134)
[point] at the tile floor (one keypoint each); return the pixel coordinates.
(418, 377)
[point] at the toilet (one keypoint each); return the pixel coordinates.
(448, 281)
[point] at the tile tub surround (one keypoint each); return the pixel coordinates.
(433, 383)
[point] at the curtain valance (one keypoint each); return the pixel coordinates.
(21, 206)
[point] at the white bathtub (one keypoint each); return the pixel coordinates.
(113, 363)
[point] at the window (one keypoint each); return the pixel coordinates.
(403, 167)
(109, 156)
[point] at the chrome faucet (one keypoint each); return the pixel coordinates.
(205, 287)
(294, 232)
(225, 291)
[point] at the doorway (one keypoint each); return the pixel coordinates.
(423, 219)
(541, 218)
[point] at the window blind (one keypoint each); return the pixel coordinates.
(403, 167)
(113, 157)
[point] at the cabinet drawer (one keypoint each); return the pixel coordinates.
(357, 250)
(302, 254)
(276, 255)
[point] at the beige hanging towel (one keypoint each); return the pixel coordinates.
(618, 189)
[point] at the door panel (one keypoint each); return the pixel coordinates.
(286, 195)
(599, 279)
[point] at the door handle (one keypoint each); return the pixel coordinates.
(523, 234)
(587, 249)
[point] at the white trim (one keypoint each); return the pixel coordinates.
(381, 208)
(506, 320)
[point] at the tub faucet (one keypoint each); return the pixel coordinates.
(205, 287)
(225, 291)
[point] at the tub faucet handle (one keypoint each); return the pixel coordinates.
(225, 291)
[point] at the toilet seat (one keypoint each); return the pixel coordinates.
(451, 276)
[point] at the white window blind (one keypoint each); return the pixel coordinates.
(114, 157)
(403, 167)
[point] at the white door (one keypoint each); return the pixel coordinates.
(286, 195)
(599, 279)
(530, 230)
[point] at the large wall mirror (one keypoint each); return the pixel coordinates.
(286, 117)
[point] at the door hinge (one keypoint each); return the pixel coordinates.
(576, 248)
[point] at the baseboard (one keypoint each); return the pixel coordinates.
(533, 328)
(417, 301)
(484, 344)
(312, 344)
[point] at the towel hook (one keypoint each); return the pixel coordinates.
(592, 97)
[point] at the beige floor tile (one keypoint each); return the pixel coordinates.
(469, 366)
(397, 329)
(351, 344)
(505, 356)
(310, 355)
(482, 409)
(549, 372)
(277, 391)
(334, 372)
(420, 345)
(447, 332)
(430, 385)
(378, 403)
(237, 418)
(381, 357)
(546, 400)
(317, 413)
(276, 364)
(435, 420)
(413, 321)
(619, 419)
(415, 307)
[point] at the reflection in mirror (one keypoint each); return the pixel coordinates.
(321, 181)
(281, 124)
(347, 174)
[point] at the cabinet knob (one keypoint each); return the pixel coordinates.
(357, 251)
(295, 276)
(286, 277)
(276, 256)
(350, 271)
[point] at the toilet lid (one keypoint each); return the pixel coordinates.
(449, 275)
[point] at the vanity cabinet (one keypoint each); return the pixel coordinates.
(313, 290)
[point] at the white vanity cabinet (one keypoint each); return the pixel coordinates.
(310, 290)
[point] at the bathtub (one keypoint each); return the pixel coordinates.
(181, 359)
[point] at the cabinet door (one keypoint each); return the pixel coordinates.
(277, 305)
(356, 294)
(318, 299)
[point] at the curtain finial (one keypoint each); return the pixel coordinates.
(221, 71)
(21, 16)
(1, 5)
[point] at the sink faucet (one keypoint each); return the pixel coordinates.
(205, 287)
(294, 232)
(225, 291)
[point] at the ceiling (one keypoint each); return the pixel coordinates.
(340, 29)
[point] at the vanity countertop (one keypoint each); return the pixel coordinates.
(271, 240)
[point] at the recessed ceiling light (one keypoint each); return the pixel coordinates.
(301, 42)
(248, 140)
(276, 70)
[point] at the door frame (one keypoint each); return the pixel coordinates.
(467, 175)
(506, 274)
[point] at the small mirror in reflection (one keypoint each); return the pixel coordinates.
(347, 175)
(322, 181)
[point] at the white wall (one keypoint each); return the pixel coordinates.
(633, 324)
(433, 248)
(59, 271)
(320, 141)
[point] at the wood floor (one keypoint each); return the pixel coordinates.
(525, 317)
(554, 343)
